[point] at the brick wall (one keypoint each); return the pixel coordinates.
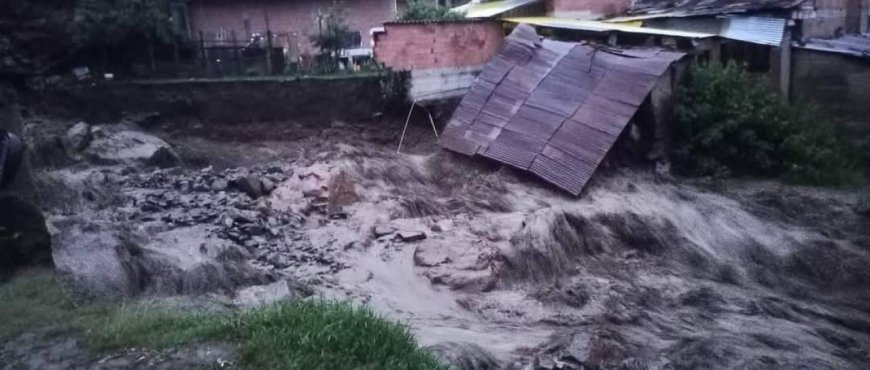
(406, 46)
(586, 9)
(293, 21)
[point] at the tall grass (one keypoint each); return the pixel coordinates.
(300, 334)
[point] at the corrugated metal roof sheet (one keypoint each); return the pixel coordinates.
(490, 9)
(553, 108)
(856, 45)
(757, 30)
(650, 9)
(596, 26)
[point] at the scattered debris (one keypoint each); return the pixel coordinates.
(410, 236)
(380, 231)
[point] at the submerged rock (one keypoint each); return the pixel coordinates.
(78, 137)
(465, 356)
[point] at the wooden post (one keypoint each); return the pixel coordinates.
(269, 61)
(268, 46)
(785, 64)
(202, 53)
(716, 51)
(239, 66)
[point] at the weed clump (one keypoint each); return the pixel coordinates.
(730, 125)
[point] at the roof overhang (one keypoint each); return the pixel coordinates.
(604, 27)
(490, 9)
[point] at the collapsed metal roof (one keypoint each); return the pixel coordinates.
(553, 108)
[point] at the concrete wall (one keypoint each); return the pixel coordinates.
(839, 83)
(836, 16)
(232, 101)
(443, 57)
(586, 9)
(293, 21)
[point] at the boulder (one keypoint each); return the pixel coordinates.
(163, 158)
(408, 236)
(250, 185)
(267, 185)
(119, 146)
(24, 238)
(78, 137)
(465, 356)
(380, 231)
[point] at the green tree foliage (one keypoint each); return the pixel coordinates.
(428, 10)
(332, 35)
(729, 125)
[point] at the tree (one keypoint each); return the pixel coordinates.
(122, 25)
(332, 35)
(427, 10)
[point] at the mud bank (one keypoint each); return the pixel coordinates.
(491, 268)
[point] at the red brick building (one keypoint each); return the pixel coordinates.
(293, 22)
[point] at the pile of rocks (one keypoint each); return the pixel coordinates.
(227, 202)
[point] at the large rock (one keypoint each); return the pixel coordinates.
(101, 259)
(78, 137)
(24, 238)
(465, 356)
(117, 145)
(250, 185)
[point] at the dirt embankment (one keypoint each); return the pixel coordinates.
(640, 272)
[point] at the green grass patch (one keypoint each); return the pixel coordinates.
(728, 124)
(299, 334)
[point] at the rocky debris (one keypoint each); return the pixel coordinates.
(430, 256)
(118, 145)
(179, 199)
(24, 238)
(409, 236)
(381, 231)
(265, 294)
(256, 186)
(250, 185)
(164, 158)
(602, 349)
(78, 137)
(465, 356)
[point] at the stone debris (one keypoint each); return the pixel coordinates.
(381, 231)
(180, 198)
(410, 236)
(250, 185)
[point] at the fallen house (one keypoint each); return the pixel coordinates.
(554, 108)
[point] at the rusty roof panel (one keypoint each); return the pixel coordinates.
(553, 108)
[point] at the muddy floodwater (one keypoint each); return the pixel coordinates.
(489, 266)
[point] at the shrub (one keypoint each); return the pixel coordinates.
(729, 125)
(422, 10)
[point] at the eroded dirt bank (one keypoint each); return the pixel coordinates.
(641, 272)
